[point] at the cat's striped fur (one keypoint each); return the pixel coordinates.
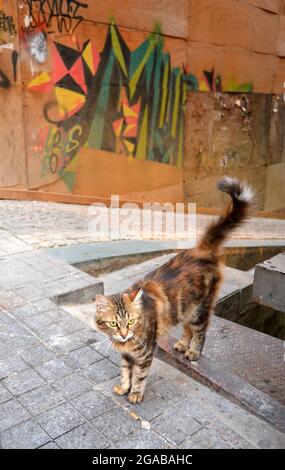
(182, 290)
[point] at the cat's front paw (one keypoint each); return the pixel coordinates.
(135, 397)
(119, 390)
(180, 346)
(192, 355)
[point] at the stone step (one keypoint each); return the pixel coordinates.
(269, 283)
(114, 255)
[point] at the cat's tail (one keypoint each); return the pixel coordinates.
(238, 210)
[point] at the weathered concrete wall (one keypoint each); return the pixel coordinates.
(236, 134)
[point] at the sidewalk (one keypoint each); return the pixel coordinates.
(57, 373)
(43, 224)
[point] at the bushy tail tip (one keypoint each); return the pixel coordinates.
(238, 190)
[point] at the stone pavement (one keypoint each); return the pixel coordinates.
(56, 373)
(44, 224)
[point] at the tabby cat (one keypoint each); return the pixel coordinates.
(182, 290)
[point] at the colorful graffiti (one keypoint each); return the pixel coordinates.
(214, 82)
(121, 101)
(128, 102)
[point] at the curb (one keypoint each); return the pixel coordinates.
(231, 386)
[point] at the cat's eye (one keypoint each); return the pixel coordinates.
(113, 324)
(131, 321)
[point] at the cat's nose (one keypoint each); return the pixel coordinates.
(124, 334)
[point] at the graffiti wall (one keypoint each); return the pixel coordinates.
(105, 85)
(123, 101)
(105, 104)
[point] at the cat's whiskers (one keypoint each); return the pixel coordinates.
(139, 341)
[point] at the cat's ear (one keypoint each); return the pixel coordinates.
(136, 295)
(102, 301)
(132, 297)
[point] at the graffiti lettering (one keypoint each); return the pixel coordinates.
(53, 150)
(64, 14)
(74, 143)
(59, 149)
(53, 163)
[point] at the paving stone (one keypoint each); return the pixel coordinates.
(40, 279)
(50, 445)
(11, 365)
(71, 324)
(92, 404)
(83, 437)
(13, 331)
(27, 435)
(40, 321)
(143, 440)
(44, 305)
(65, 344)
(30, 310)
(59, 287)
(6, 321)
(250, 427)
(198, 411)
(9, 299)
(4, 394)
(205, 439)
(37, 355)
(116, 358)
(171, 391)
(5, 350)
(73, 384)
(55, 368)
(88, 336)
(40, 400)
(115, 424)
(60, 420)
(263, 437)
(30, 293)
(229, 435)
(12, 413)
(103, 346)
(152, 406)
(102, 371)
(20, 342)
(175, 425)
(84, 357)
(51, 332)
(23, 382)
